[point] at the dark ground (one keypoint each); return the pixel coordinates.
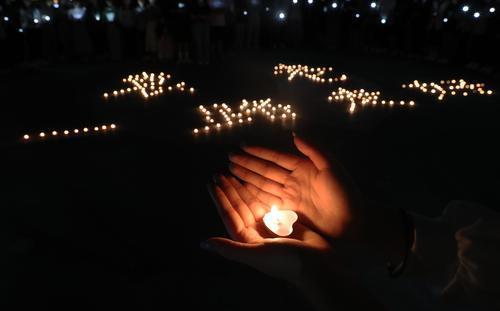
(115, 221)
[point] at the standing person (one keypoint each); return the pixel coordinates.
(153, 16)
(181, 28)
(201, 32)
(97, 28)
(112, 31)
(253, 24)
(81, 39)
(295, 25)
(217, 21)
(126, 20)
(140, 28)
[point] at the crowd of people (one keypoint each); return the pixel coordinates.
(199, 31)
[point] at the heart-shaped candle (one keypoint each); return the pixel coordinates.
(280, 222)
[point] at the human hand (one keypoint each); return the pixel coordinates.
(252, 244)
(321, 192)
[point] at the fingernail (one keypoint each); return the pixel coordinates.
(210, 186)
(216, 178)
(204, 245)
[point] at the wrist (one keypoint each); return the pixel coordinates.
(388, 234)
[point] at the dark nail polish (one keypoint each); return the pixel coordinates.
(204, 245)
(216, 178)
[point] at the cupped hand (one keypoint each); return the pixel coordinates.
(251, 243)
(322, 193)
(317, 188)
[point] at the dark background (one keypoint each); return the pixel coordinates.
(115, 220)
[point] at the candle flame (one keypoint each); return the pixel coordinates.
(275, 216)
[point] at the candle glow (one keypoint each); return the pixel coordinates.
(75, 132)
(452, 87)
(280, 222)
(247, 109)
(363, 98)
(148, 85)
(315, 74)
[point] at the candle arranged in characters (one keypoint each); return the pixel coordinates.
(280, 222)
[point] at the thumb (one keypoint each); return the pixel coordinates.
(245, 253)
(317, 158)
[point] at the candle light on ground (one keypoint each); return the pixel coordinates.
(452, 87)
(315, 74)
(75, 132)
(228, 117)
(362, 98)
(148, 85)
(280, 222)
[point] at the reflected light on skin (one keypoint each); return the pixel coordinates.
(315, 74)
(445, 88)
(244, 115)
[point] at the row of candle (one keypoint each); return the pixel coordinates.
(449, 87)
(244, 115)
(315, 74)
(149, 85)
(70, 133)
(362, 97)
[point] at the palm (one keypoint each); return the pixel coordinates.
(324, 199)
(242, 214)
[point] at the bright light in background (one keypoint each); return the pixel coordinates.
(267, 9)
(334, 5)
(383, 21)
(492, 10)
(77, 13)
(46, 18)
(6, 18)
(245, 12)
(357, 15)
(465, 8)
(110, 16)
(310, 1)
(477, 14)
(56, 5)
(281, 15)
(36, 21)
(97, 16)
(325, 9)
(295, 1)
(373, 5)
(20, 30)
(445, 20)
(181, 5)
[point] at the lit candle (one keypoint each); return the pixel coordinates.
(280, 222)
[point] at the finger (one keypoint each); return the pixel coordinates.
(285, 160)
(256, 206)
(245, 253)
(236, 202)
(232, 221)
(261, 182)
(265, 197)
(318, 159)
(261, 167)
